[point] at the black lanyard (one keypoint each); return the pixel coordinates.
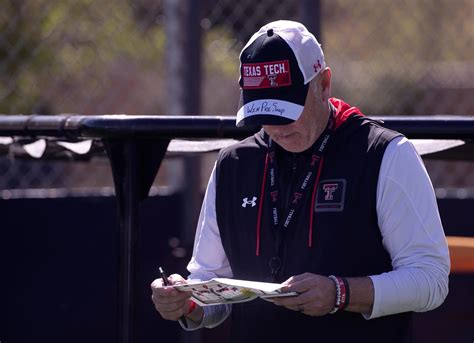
(298, 193)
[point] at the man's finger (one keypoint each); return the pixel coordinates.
(289, 301)
(176, 279)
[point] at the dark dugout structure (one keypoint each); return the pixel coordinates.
(73, 271)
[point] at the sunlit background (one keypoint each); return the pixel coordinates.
(412, 57)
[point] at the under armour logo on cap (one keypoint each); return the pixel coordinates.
(252, 202)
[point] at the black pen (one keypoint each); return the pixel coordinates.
(164, 277)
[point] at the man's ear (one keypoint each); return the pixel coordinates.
(326, 83)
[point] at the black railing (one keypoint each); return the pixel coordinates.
(168, 127)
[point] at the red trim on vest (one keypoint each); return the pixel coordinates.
(343, 111)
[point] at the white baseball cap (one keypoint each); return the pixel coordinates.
(276, 66)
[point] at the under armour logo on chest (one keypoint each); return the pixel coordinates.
(252, 202)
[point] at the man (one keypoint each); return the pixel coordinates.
(323, 200)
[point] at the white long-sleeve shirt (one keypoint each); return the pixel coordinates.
(411, 230)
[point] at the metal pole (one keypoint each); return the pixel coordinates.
(311, 17)
(128, 233)
(175, 56)
(192, 105)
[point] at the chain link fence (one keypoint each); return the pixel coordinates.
(412, 57)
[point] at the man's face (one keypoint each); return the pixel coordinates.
(300, 135)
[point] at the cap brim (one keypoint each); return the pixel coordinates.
(280, 106)
(268, 112)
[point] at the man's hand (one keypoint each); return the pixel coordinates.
(170, 303)
(317, 294)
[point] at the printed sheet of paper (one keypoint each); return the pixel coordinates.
(227, 291)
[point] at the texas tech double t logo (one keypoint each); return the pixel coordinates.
(331, 195)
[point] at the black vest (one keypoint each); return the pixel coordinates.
(346, 239)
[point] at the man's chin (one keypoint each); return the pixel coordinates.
(291, 147)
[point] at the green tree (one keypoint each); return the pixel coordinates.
(55, 51)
